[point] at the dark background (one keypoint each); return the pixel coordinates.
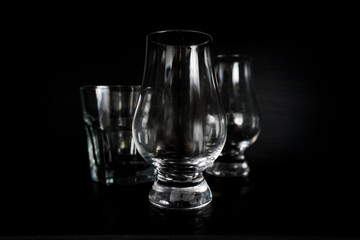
(298, 70)
(294, 69)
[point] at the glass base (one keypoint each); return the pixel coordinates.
(166, 196)
(229, 169)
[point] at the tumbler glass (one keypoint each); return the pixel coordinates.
(242, 113)
(179, 123)
(108, 113)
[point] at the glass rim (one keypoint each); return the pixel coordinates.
(233, 56)
(113, 87)
(204, 34)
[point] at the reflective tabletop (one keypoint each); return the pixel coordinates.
(275, 200)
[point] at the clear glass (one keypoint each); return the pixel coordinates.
(242, 112)
(179, 124)
(108, 112)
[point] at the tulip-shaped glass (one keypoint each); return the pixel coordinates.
(242, 112)
(179, 123)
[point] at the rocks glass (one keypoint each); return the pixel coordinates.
(108, 113)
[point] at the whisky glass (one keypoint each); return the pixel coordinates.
(179, 123)
(242, 112)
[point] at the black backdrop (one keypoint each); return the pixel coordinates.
(296, 63)
(289, 69)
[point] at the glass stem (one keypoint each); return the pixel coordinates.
(179, 177)
(241, 154)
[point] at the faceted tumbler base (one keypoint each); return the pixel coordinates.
(132, 180)
(126, 178)
(180, 197)
(229, 169)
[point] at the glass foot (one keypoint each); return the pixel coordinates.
(231, 169)
(192, 197)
